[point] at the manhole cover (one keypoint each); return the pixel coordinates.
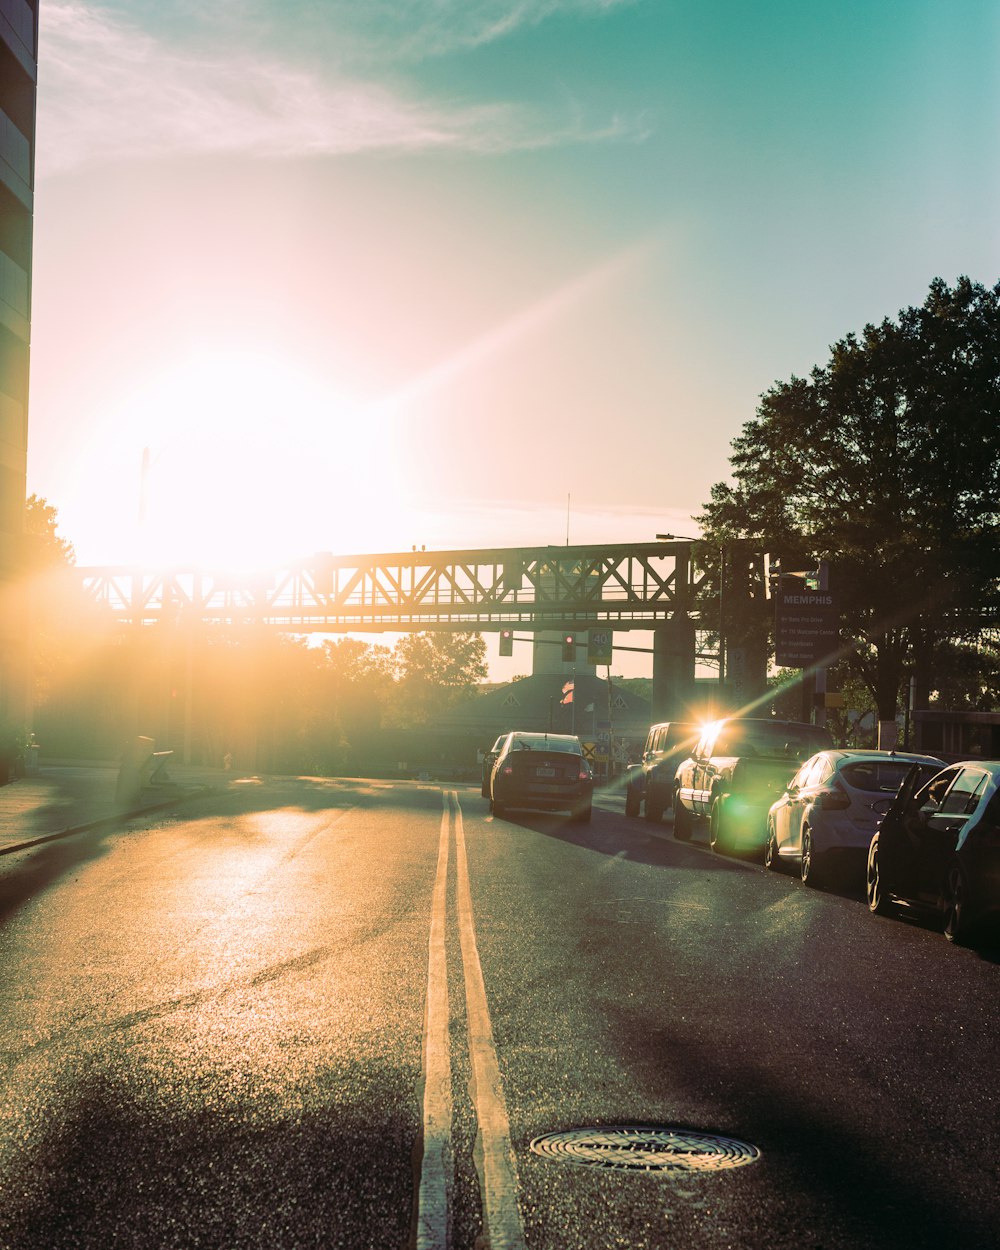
(646, 1149)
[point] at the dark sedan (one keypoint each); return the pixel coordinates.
(938, 848)
(489, 759)
(542, 772)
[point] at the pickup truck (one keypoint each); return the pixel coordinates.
(738, 768)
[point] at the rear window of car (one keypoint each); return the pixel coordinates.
(570, 746)
(877, 777)
(762, 738)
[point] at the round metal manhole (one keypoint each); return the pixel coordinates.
(638, 1149)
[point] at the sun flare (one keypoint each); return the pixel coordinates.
(236, 460)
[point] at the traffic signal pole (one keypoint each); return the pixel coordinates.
(823, 583)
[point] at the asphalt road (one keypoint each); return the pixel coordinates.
(324, 1014)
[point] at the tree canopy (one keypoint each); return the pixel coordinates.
(886, 463)
(45, 547)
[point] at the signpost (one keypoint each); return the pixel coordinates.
(599, 645)
(805, 624)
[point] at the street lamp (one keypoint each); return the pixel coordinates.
(722, 581)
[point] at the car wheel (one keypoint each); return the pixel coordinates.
(682, 821)
(772, 859)
(719, 834)
(879, 902)
(958, 926)
(632, 802)
(654, 807)
(810, 864)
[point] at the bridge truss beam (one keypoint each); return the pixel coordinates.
(625, 586)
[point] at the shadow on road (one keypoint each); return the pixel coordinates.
(814, 1150)
(136, 1163)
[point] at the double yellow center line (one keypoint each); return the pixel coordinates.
(494, 1154)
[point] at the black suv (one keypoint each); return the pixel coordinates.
(652, 780)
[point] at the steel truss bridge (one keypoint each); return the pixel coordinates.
(623, 586)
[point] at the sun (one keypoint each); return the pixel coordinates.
(244, 461)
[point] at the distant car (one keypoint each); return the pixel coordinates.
(542, 772)
(938, 848)
(651, 781)
(739, 766)
(833, 804)
(489, 759)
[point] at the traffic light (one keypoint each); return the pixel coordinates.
(506, 642)
(569, 647)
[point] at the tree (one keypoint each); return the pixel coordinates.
(58, 615)
(886, 463)
(434, 672)
(44, 546)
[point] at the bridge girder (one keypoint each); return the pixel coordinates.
(626, 586)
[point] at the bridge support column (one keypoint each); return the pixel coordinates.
(673, 669)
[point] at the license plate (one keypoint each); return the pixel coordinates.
(545, 772)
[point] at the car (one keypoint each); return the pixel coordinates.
(739, 766)
(542, 772)
(489, 759)
(651, 781)
(938, 849)
(832, 806)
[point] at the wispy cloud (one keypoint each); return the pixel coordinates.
(421, 28)
(110, 90)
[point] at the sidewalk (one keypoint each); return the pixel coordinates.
(68, 797)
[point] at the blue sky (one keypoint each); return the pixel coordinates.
(358, 276)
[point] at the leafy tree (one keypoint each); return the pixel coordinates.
(358, 683)
(434, 672)
(886, 463)
(57, 613)
(44, 546)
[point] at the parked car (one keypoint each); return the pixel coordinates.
(832, 806)
(938, 848)
(739, 766)
(651, 781)
(543, 772)
(489, 759)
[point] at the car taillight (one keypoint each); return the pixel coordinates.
(833, 800)
(507, 770)
(585, 773)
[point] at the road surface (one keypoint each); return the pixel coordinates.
(311, 1013)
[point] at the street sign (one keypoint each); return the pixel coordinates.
(828, 699)
(590, 752)
(806, 624)
(599, 646)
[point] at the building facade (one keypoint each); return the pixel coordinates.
(18, 79)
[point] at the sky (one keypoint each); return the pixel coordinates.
(320, 275)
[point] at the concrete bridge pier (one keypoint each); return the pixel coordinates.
(673, 669)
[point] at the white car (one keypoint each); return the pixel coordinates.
(834, 804)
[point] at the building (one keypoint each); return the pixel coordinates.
(953, 736)
(18, 79)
